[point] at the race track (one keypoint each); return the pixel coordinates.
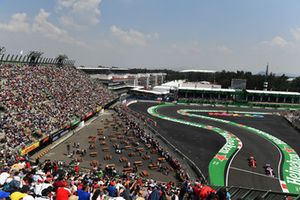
(202, 145)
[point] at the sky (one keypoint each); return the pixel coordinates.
(172, 34)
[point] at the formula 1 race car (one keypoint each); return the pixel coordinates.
(269, 170)
(252, 162)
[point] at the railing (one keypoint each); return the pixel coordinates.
(284, 106)
(187, 159)
(251, 193)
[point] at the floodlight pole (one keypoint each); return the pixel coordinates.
(2, 50)
(34, 57)
(61, 60)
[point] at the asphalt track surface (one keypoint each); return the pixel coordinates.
(201, 145)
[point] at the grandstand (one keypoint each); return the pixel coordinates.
(201, 92)
(41, 100)
(232, 95)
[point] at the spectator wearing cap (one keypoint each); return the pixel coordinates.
(112, 190)
(60, 182)
(84, 193)
(63, 192)
(4, 195)
(17, 195)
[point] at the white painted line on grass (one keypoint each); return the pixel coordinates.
(250, 172)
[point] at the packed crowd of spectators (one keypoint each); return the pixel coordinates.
(53, 180)
(293, 116)
(38, 100)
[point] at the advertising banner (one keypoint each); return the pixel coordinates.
(44, 140)
(30, 148)
(74, 123)
(63, 133)
(68, 126)
(98, 108)
(88, 115)
(56, 135)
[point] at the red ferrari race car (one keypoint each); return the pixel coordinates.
(252, 162)
(269, 170)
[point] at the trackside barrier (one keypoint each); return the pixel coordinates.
(189, 161)
(250, 193)
(239, 104)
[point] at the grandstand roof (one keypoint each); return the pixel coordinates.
(198, 70)
(208, 89)
(273, 92)
(102, 68)
(150, 91)
(121, 87)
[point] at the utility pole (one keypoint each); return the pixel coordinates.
(266, 78)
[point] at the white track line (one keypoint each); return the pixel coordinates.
(247, 171)
(228, 167)
(280, 160)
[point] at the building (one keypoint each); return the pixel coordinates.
(113, 74)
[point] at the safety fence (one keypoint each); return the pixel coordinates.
(241, 104)
(237, 192)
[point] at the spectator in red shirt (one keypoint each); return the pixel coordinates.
(63, 193)
(76, 168)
